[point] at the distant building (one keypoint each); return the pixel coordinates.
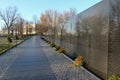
(4, 31)
(29, 29)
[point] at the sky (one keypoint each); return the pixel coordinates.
(28, 8)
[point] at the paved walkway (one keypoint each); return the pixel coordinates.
(35, 60)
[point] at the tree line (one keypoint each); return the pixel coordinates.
(49, 22)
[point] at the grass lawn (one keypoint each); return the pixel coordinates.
(5, 45)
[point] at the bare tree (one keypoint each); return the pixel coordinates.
(61, 23)
(27, 27)
(55, 21)
(35, 22)
(9, 16)
(114, 40)
(77, 29)
(55, 27)
(47, 20)
(43, 23)
(42, 29)
(19, 25)
(49, 15)
(116, 11)
(35, 19)
(63, 19)
(72, 12)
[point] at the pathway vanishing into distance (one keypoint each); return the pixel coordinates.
(35, 60)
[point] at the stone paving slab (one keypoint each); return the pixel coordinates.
(35, 60)
(63, 67)
(7, 59)
(31, 63)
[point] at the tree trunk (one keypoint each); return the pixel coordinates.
(54, 33)
(8, 31)
(61, 36)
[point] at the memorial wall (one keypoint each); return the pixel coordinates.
(114, 38)
(94, 34)
(87, 35)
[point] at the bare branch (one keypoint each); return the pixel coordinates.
(9, 16)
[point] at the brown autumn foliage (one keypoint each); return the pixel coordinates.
(55, 21)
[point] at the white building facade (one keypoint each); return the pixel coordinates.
(29, 29)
